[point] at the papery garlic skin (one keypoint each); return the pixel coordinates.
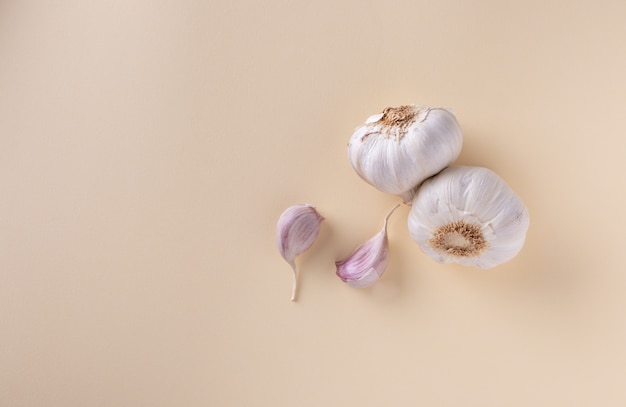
(399, 148)
(296, 231)
(368, 261)
(470, 216)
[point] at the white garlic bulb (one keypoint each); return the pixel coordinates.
(399, 148)
(468, 215)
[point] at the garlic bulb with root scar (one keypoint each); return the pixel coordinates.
(470, 216)
(399, 148)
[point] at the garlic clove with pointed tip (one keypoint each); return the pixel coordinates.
(470, 216)
(396, 150)
(368, 262)
(296, 231)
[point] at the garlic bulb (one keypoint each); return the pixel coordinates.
(468, 215)
(368, 261)
(296, 231)
(399, 148)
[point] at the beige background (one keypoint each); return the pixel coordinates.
(148, 148)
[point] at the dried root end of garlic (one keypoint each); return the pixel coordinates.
(470, 216)
(399, 148)
(460, 238)
(395, 121)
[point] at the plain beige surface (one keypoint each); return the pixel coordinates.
(148, 148)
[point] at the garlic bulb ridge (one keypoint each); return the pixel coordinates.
(399, 148)
(470, 216)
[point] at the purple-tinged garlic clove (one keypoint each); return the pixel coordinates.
(296, 231)
(368, 261)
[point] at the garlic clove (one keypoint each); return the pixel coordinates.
(368, 262)
(296, 231)
(395, 151)
(470, 216)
